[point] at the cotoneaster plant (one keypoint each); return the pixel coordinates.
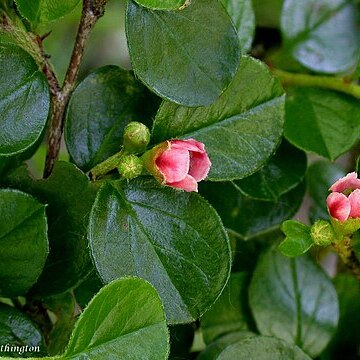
(155, 213)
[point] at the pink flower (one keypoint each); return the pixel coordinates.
(344, 201)
(178, 163)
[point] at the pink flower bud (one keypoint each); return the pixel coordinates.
(178, 163)
(344, 201)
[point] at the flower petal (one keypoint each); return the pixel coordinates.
(350, 181)
(173, 164)
(354, 199)
(339, 206)
(189, 144)
(188, 184)
(199, 165)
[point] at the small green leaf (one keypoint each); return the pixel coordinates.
(43, 11)
(163, 4)
(23, 242)
(319, 177)
(69, 195)
(294, 300)
(125, 320)
(262, 348)
(17, 329)
(298, 239)
(230, 313)
(284, 171)
(175, 240)
(247, 217)
(99, 109)
(25, 101)
(241, 130)
(188, 56)
(323, 35)
(322, 121)
(243, 17)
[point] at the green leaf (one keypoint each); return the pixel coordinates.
(87, 289)
(25, 101)
(175, 240)
(246, 217)
(188, 56)
(241, 130)
(23, 242)
(294, 300)
(163, 4)
(284, 171)
(99, 109)
(322, 121)
(323, 35)
(243, 17)
(215, 348)
(230, 313)
(17, 329)
(298, 239)
(69, 195)
(125, 320)
(262, 348)
(347, 337)
(267, 13)
(320, 176)
(43, 11)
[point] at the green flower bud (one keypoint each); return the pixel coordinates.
(136, 138)
(130, 167)
(322, 233)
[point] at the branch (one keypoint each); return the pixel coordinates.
(91, 13)
(324, 82)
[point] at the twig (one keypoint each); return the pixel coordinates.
(91, 12)
(325, 82)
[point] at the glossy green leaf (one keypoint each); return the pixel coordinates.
(298, 239)
(230, 313)
(262, 348)
(241, 130)
(345, 343)
(43, 11)
(17, 329)
(69, 195)
(163, 4)
(23, 242)
(284, 171)
(99, 109)
(213, 350)
(294, 300)
(323, 35)
(188, 56)
(322, 121)
(175, 240)
(243, 17)
(246, 217)
(320, 176)
(125, 320)
(25, 101)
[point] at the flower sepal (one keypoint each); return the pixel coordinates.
(345, 228)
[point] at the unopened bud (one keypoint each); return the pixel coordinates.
(136, 138)
(322, 233)
(130, 167)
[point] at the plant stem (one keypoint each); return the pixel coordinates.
(348, 256)
(106, 166)
(324, 82)
(91, 12)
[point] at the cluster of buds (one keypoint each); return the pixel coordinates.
(176, 163)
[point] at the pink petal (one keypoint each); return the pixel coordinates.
(188, 184)
(189, 144)
(350, 181)
(339, 206)
(174, 164)
(354, 199)
(199, 165)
